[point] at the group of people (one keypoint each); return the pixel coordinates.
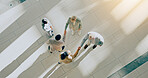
(57, 44)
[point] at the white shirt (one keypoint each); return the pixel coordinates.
(96, 38)
(47, 27)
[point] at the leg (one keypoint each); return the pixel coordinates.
(85, 46)
(63, 47)
(79, 32)
(88, 43)
(73, 32)
(50, 33)
(49, 49)
(94, 46)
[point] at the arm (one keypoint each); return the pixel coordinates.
(66, 26)
(65, 29)
(80, 25)
(76, 53)
(51, 27)
(84, 40)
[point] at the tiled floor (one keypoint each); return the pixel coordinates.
(122, 23)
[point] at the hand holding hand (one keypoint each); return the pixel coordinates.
(79, 47)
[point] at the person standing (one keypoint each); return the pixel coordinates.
(74, 24)
(67, 57)
(56, 44)
(47, 26)
(93, 38)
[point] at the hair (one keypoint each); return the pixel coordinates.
(73, 17)
(43, 21)
(63, 56)
(58, 37)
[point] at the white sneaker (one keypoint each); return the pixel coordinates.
(79, 32)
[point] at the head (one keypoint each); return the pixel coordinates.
(63, 55)
(90, 37)
(44, 21)
(73, 18)
(58, 37)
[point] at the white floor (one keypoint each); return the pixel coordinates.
(122, 23)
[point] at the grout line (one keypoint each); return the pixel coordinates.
(43, 65)
(131, 66)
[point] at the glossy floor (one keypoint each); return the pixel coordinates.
(122, 23)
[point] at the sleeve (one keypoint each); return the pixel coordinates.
(84, 40)
(67, 23)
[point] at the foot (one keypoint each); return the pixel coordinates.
(48, 47)
(73, 32)
(51, 52)
(79, 32)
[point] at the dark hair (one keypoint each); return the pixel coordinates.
(63, 56)
(58, 37)
(44, 22)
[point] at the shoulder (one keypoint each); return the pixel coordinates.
(78, 20)
(69, 18)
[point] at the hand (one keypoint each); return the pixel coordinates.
(79, 29)
(64, 38)
(79, 47)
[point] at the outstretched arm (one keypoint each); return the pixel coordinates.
(84, 40)
(66, 29)
(66, 26)
(80, 25)
(76, 53)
